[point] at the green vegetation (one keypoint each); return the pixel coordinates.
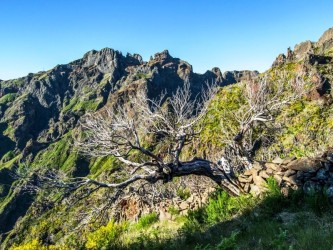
(7, 98)
(106, 237)
(277, 222)
(147, 220)
(79, 104)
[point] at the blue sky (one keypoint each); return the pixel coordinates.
(235, 34)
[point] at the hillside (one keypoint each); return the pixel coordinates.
(40, 114)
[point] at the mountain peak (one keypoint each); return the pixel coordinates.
(327, 36)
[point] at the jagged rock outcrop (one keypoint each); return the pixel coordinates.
(310, 52)
(46, 105)
(39, 110)
(325, 42)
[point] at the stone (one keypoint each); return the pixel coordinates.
(289, 172)
(278, 178)
(184, 205)
(184, 212)
(245, 179)
(288, 160)
(304, 164)
(190, 199)
(163, 215)
(272, 166)
(291, 179)
(255, 190)
(311, 187)
(247, 187)
(269, 171)
(250, 171)
(277, 160)
(290, 55)
(263, 174)
(259, 181)
(280, 59)
(300, 175)
(257, 166)
(285, 191)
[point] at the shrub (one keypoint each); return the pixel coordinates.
(106, 237)
(33, 245)
(147, 220)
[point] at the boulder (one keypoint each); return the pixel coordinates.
(184, 205)
(326, 36)
(305, 165)
(269, 171)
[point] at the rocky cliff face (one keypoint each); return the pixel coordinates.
(39, 111)
(44, 106)
(310, 52)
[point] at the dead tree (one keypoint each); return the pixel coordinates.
(256, 119)
(121, 131)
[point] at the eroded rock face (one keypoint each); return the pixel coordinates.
(311, 52)
(303, 49)
(325, 42)
(48, 104)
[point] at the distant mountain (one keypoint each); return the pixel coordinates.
(44, 106)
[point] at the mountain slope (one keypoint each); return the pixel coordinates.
(40, 112)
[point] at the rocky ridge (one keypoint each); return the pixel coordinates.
(319, 52)
(43, 107)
